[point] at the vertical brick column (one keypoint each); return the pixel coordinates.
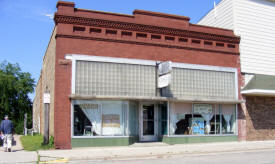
(62, 103)
(242, 114)
(242, 111)
(62, 111)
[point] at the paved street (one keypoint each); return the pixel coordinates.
(253, 152)
(251, 157)
(155, 150)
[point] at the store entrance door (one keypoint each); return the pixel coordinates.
(148, 122)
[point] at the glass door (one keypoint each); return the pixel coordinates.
(148, 122)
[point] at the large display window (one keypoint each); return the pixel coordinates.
(99, 118)
(202, 119)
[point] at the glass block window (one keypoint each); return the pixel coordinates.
(114, 79)
(201, 84)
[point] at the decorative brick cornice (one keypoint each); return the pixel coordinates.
(142, 28)
(145, 44)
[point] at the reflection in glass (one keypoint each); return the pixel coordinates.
(99, 118)
(148, 127)
(148, 112)
(148, 119)
(162, 115)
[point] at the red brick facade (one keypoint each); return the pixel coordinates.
(143, 35)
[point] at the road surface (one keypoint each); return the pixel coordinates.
(251, 157)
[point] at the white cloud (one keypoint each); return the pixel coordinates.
(49, 15)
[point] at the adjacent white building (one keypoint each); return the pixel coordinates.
(254, 22)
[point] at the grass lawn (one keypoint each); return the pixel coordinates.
(33, 143)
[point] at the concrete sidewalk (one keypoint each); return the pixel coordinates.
(153, 150)
(18, 155)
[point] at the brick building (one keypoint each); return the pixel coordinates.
(102, 71)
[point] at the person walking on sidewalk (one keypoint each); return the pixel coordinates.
(6, 129)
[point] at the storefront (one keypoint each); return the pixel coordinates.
(116, 102)
(126, 122)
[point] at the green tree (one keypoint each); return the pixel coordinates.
(15, 86)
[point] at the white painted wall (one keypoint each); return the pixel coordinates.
(254, 21)
(222, 17)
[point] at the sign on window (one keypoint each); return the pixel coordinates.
(88, 106)
(203, 109)
(110, 120)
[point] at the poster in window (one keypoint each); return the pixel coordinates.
(110, 120)
(197, 125)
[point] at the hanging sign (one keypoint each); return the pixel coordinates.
(164, 67)
(164, 80)
(46, 98)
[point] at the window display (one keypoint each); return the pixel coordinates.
(99, 118)
(228, 119)
(215, 123)
(110, 118)
(202, 119)
(180, 115)
(207, 113)
(197, 124)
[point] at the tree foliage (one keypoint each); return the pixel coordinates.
(15, 86)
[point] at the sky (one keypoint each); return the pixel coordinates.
(26, 25)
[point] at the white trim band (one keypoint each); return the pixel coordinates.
(147, 62)
(110, 59)
(259, 92)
